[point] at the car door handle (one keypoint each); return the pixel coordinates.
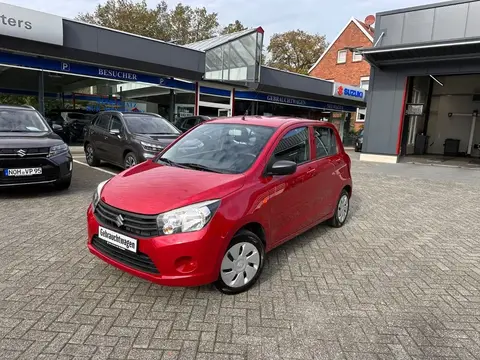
(311, 171)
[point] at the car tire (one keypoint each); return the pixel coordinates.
(130, 160)
(341, 210)
(63, 184)
(249, 261)
(92, 160)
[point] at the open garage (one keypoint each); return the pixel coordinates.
(425, 86)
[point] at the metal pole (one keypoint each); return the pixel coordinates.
(171, 111)
(472, 132)
(41, 93)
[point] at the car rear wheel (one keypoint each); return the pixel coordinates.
(242, 263)
(92, 160)
(341, 211)
(130, 160)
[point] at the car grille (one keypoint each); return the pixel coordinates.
(50, 172)
(136, 261)
(29, 152)
(133, 224)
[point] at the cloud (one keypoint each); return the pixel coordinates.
(324, 17)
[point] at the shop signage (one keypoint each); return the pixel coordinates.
(348, 92)
(29, 24)
(251, 95)
(414, 109)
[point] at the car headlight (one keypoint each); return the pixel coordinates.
(151, 147)
(58, 149)
(97, 193)
(187, 219)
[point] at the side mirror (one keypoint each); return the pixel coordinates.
(115, 132)
(57, 128)
(282, 167)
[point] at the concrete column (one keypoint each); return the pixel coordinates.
(41, 93)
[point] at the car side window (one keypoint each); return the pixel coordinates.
(116, 123)
(294, 146)
(189, 123)
(325, 142)
(102, 121)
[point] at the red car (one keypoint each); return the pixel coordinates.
(210, 205)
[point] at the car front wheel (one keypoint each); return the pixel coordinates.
(341, 210)
(242, 263)
(130, 160)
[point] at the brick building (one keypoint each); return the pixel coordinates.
(339, 64)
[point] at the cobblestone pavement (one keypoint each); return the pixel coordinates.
(401, 280)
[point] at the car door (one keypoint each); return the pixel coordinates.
(114, 143)
(288, 203)
(327, 184)
(98, 135)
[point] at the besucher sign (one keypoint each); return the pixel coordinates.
(29, 24)
(348, 92)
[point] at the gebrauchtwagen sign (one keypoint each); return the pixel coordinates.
(348, 92)
(29, 24)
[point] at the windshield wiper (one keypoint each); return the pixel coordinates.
(169, 162)
(199, 167)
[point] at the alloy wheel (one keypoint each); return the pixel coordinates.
(89, 153)
(240, 264)
(130, 161)
(342, 209)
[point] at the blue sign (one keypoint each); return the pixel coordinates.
(89, 70)
(271, 98)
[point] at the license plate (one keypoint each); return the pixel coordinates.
(22, 172)
(121, 241)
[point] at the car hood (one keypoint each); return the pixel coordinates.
(151, 188)
(160, 139)
(14, 140)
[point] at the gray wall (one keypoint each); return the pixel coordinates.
(435, 22)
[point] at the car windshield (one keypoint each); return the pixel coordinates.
(223, 148)
(147, 124)
(19, 120)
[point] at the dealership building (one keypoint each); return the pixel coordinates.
(424, 93)
(81, 65)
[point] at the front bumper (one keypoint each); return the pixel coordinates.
(189, 259)
(54, 169)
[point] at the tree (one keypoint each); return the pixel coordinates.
(132, 16)
(189, 24)
(182, 24)
(295, 50)
(233, 27)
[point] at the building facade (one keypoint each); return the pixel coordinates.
(341, 63)
(424, 95)
(222, 76)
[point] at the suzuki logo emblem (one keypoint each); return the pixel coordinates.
(340, 90)
(21, 153)
(119, 220)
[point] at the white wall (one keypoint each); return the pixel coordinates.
(455, 97)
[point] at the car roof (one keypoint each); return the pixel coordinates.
(270, 121)
(17, 107)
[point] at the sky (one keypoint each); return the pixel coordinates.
(324, 17)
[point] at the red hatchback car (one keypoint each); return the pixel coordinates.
(211, 204)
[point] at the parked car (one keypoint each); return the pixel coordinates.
(359, 141)
(30, 151)
(186, 123)
(208, 207)
(73, 125)
(126, 138)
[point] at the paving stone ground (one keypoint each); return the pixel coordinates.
(401, 280)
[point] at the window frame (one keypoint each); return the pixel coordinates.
(357, 118)
(364, 78)
(338, 56)
(334, 134)
(112, 117)
(99, 117)
(271, 150)
(355, 55)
